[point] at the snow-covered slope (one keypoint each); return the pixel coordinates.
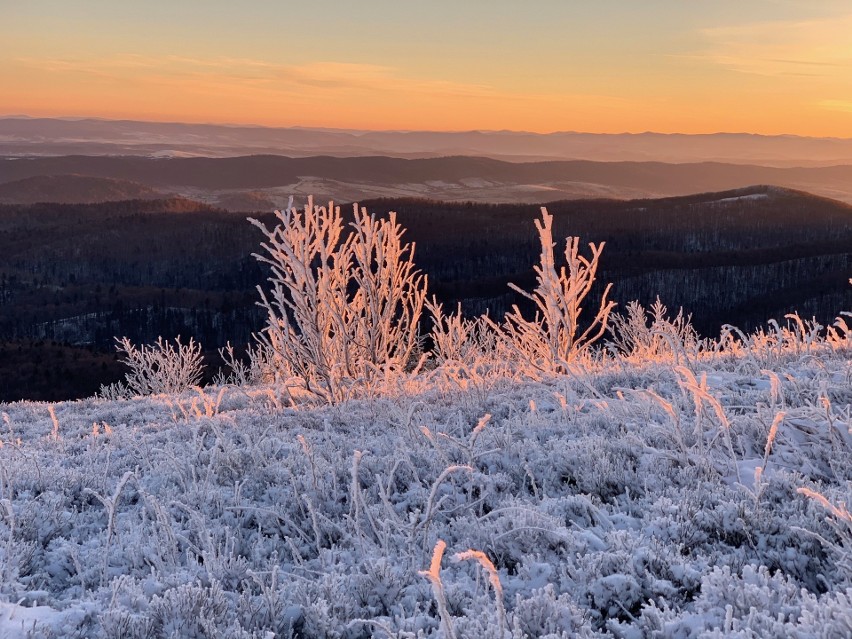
(605, 509)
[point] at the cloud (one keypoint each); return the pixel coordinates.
(316, 93)
(329, 76)
(814, 48)
(91, 66)
(844, 106)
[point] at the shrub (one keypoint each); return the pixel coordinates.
(342, 310)
(162, 367)
(553, 338)
(663, 339)
(259, 366)
(458, 339)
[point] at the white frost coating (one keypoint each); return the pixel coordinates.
(612, 508)
(19, 622)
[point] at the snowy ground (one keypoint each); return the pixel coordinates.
(606, 511)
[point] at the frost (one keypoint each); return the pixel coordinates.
(603, 509)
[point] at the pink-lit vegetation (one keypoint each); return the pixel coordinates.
(345, 312)
(344, 309)
(554, 338)
(635, 339)
(344, 319)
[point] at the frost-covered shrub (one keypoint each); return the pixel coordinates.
(160, 368)
(754, 603)
(261, 365)
(664, 338)
(768, 347)
(544, 613)
(123, 624)
(190, 611)
(343, 309)
(460, 340)
(471, 359)
(555, 337)
(114, 392)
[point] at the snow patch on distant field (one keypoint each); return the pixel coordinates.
(753, 196)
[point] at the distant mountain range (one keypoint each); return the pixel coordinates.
(263, 182)
(22, 136)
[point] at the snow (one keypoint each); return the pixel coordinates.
(603, 514)
(751, 196)
(21, 622)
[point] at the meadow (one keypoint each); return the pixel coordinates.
(573, 474)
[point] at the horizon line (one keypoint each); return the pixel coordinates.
(235, 125)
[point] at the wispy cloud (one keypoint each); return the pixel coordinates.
(321, 75)
(816, 48)
(844, 106)
(317, 93)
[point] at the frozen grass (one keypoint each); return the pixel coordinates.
(607, 503)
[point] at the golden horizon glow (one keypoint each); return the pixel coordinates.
(784, 67)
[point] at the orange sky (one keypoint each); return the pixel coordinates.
(780, 66)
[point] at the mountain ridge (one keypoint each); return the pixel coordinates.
(57, 136)
(273, 178)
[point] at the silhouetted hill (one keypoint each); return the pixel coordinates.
(73, 189)
(74, 276)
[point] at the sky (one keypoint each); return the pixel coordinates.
(604, 66)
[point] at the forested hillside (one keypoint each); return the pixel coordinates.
(73, 276)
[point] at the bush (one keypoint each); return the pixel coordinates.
(161, 367)
(553, 339)
(343, 311)
(663, 339)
